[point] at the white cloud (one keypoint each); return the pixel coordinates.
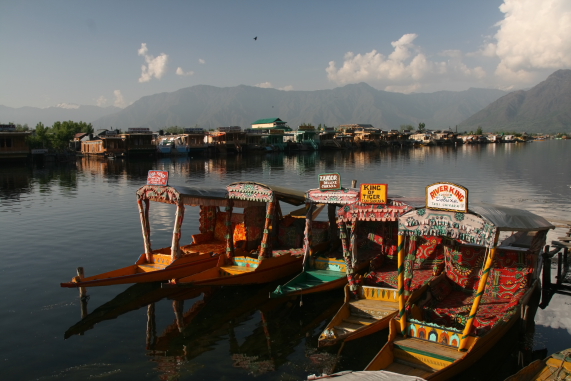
(68, 106)
(156, 66)
(268, 85)
(119, 100)
(101, 101)
(533, 36)
(264, 85)
(405, 69)
(200, 60)
(179, 71)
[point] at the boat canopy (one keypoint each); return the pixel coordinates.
(341, 196)
(206, 196)
(480, 226)
(390, 211)
(257, 192)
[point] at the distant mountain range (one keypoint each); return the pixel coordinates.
(544, 108)
(34, 115)
(210, 107)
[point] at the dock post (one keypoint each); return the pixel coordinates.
(559, 267)
(82, 290)
(546, 277)
(353, 183)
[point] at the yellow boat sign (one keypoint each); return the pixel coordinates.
(374, 193)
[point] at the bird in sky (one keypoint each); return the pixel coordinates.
(256, 38)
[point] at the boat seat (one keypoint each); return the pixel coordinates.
(449, 305)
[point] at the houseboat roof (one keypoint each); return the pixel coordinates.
(269, 120)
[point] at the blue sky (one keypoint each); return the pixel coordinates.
(115, 52)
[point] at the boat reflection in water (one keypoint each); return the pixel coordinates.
(280, 325)
(262, 333)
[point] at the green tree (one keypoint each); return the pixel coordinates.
(421, 127)
(479, 131)
(406, 127)
(174, 130)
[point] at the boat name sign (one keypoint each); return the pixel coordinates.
(374, 193)
(329, 181)
(158, 178)
(447, 196)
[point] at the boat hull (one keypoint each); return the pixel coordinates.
(447, 367)
(307, 282)
(268, 270)
(143, 272)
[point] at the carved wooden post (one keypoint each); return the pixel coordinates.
(82, 290)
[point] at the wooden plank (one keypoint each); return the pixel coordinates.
(151, 267)
(345, 326)
(360, 320)
(374, 304)
(428, 347)
(237, 269)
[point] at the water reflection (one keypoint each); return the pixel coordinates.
(62, 215)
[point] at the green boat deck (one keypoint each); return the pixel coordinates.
(307, 280)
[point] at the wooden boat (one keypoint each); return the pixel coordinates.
(555, 367)
(369, 307)
(179, 261)
(326, 272)
(274, 259)
(326, 269)
(481, 293)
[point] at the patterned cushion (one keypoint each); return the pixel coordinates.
(463, 265)
(205, 248)
(240, 236)
(440, 289)
(429, 252)
(202, 237)
(504, 283)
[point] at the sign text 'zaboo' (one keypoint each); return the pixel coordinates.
(329, 181)
(374, 193)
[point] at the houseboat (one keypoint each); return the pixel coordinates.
(106, 143)
(139, 141)
(13, 144)
(227, 139)
(327, 140)
(192, 141)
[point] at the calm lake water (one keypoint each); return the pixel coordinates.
(56, 218)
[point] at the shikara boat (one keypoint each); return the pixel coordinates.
(369, 231)
(553, 368)
(481, 293)
(179, 261)
(326, 269)
(276, 257)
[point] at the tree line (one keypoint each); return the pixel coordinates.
(56, 137)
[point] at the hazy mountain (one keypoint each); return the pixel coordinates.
(543, 108)
(33, 115)
(210, 107)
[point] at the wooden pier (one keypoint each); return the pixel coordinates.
(559, 251)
